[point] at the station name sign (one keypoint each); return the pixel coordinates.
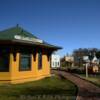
(19, 37)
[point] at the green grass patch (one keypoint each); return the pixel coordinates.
(47, 86)
(95, 79)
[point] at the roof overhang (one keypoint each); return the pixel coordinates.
(30, 43)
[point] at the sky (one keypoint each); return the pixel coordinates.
(71, 24)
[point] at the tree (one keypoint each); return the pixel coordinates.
(98, 54)
(79, 53)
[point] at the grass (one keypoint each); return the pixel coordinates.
(95, 79)
(48, 86)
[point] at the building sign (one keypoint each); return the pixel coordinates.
(19, 37)
(85, 58)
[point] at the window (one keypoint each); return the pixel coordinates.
(40, 60)
(58, 64)
(4, 60)
(55, 64)
(25, 62)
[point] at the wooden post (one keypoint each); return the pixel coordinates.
(86, 70)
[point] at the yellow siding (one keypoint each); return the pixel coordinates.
(45, 68)
(5, 76)
(16, 76)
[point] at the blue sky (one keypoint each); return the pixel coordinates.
(71, 24)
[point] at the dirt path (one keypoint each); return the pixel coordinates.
(86, 90)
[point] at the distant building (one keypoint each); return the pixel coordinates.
(93, 64)
(55, 61)
(69, 60)
(95, 60)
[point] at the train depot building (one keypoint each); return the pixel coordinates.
(23, 56)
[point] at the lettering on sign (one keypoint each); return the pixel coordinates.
(28, 39)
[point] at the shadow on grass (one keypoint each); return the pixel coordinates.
(49, 86)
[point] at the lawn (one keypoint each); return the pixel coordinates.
(51, 86)
(95, 79)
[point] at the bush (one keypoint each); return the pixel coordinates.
(78, 70)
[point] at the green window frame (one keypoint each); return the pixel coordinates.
(39, 60)
(25, 62)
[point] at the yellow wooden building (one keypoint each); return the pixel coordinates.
(23, 56)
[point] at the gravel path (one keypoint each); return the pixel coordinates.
(86, 90)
